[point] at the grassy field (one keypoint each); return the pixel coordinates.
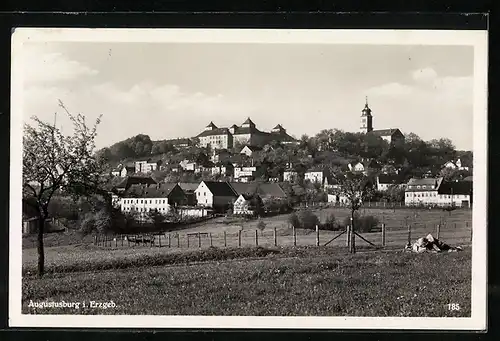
(394, 219)
(259, 281)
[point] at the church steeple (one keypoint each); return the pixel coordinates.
(366, 118)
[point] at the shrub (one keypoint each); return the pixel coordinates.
(87, 225)
(293, 220)
(362, 223)
(99, 222)
(261, 225)
(330, 223)
(307, 219)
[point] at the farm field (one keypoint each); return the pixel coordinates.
(260, 281)
(214, 230)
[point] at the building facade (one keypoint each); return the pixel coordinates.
(217, 195)
(247, 133)
(142, 199)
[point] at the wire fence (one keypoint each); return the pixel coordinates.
(385, 236)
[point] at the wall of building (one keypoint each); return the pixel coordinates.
(316, 177)
(145, 205)
(203, 196)
(433, 198)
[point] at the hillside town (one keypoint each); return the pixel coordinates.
(229, 170)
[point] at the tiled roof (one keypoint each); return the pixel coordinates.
(189, 186)
(150, 191)
(248, 130)
(219, 188)
(211, 125)
(247, 196)
(458, 187)
(179, 141)
(217, 131)
(264, 189)
(384, 132)
(253, 148)
(248, 121)
(431, 184)
(392, 179)
(134, 180)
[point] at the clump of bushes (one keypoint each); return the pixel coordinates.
(330, 224)
(305, 219)
(363, 223)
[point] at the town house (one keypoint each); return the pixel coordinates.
(143, 199)
(218, 195)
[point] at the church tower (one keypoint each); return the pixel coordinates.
(366, 119)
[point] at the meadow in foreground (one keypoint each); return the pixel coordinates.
(257, 282)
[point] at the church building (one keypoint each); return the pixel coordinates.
(391, 135)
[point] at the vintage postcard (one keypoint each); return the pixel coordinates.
(189, 178)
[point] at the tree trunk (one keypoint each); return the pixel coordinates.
(41, 253)
(353, 236)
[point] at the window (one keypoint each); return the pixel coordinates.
(163, 201)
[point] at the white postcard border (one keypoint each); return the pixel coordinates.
(477, 39)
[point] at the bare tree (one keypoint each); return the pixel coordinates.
(53, 162)
(355, 188)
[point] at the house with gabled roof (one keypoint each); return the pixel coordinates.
(143, 199)
(180, 143)
(386, 181)
(250, 150)
(455, 165)
(244, 204)
(134, 180)
(455, 193)
(215, 194)
(422, 191)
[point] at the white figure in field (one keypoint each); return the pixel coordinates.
(431, 244)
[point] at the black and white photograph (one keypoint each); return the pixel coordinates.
(191, 178)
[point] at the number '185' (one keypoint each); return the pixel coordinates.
(453, 306)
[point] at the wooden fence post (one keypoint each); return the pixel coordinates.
(187, 236)
(317, 235)
(116, 242)
(409, 234)
(239, 238)
(159, 239)
(122, 239)
(353, 241)
(179, 240)
(471, 233)
(225, 239)
(95, 240)
(274, 235)
(128, 241)
(142, 239)
(348, 240)
(256, 238)
(199, 239)
(294, 236)
(438, 232)
(210, 235)
(383, 234)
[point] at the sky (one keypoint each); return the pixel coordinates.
(170, 90)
